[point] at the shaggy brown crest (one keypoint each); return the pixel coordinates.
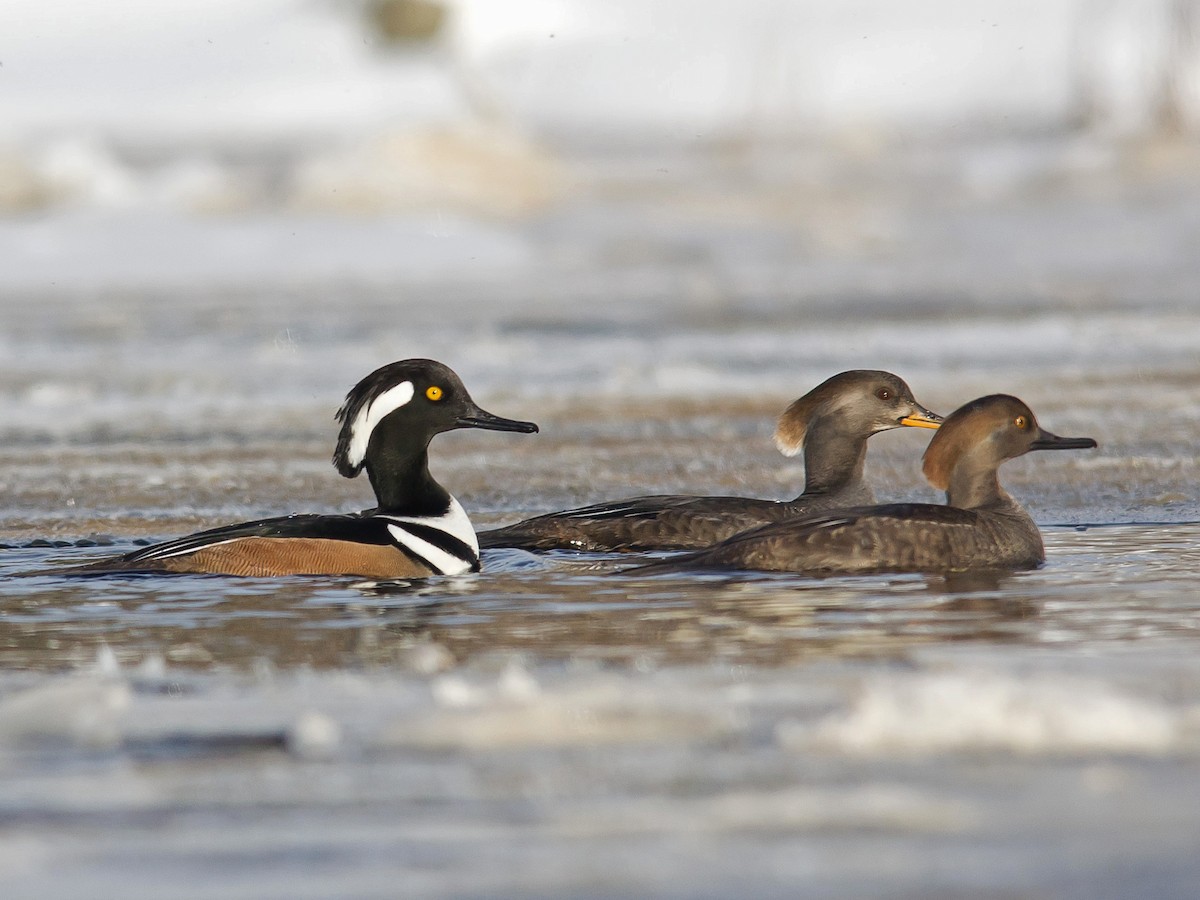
(793, 423)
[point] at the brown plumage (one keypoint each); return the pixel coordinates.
(262, 557)
(980, 527)
(831, 424)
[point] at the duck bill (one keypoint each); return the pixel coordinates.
(922, 418)
(479, 418)
(1047, 441)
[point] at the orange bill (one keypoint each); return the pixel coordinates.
(923, 419)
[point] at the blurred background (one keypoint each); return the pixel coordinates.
(222, 105)
(218, 111)
(218, 215)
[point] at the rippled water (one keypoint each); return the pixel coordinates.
(552, 726)
(1112, 583)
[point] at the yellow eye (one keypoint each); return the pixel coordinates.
(434, 393)
(1021, 422)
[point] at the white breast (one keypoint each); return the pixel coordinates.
(453, 522)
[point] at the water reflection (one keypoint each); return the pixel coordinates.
(565, 607)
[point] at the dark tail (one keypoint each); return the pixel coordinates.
(526, 536)
(113, 566)
(509, 536)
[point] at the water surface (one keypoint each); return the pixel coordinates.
(552, 726)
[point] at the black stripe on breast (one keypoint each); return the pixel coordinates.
(416, 557)
(440, 538)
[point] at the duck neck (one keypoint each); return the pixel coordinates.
(974, 483)
(833, 459)
(402, 481)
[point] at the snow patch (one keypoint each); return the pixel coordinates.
(939, 713)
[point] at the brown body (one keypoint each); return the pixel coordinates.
(980, 527)
(661, 522)
(261, 557)
(903, 537)
(831, 424)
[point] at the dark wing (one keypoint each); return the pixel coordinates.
(361, 529)
(631, 506)
(662, 522)
(900, 537)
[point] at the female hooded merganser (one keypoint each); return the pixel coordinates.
(417, 529)
(980, 527)
(831, 423)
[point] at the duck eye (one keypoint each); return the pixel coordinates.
(434, 393)
(1021, 422)
(883, 394)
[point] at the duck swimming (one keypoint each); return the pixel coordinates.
(417, 529)
(980, 527)
(831, 424)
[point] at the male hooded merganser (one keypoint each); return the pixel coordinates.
(417, 529)
(980, 527)
(831, 423)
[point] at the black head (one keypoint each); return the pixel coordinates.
(987, 432)
(864, 401)
(411, 400)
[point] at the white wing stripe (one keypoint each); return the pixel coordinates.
(189, 548)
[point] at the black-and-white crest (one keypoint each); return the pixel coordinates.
(381, 393)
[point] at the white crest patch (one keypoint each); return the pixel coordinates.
(454, 522)
(787, 447)
(371, 415)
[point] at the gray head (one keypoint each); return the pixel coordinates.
(861, 401)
